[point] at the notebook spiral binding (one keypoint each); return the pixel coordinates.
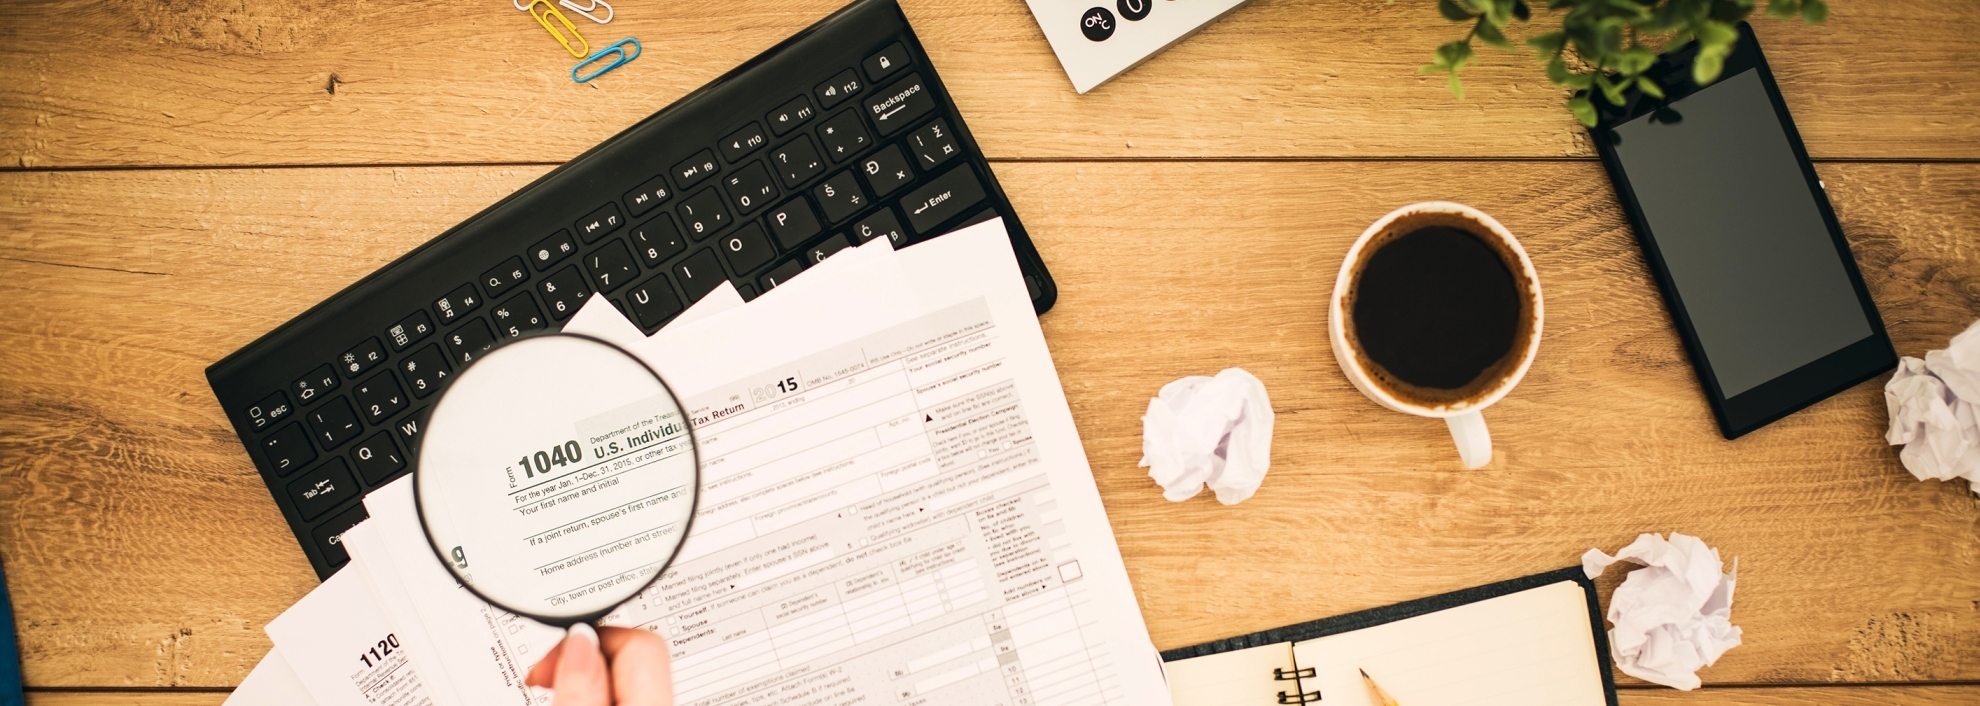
(1288, 675)
(1296, 697)
(1299, 697)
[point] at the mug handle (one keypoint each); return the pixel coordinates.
(1473, 441)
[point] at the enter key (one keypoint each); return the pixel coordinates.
(945, 197)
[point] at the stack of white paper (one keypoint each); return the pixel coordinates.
(908, 519)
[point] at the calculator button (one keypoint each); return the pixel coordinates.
(411, 429)
(793, 223)
(653, 302)
(933, 145)
(886, 170)
(750, 188)
(425, 371)
(377, 458)
(518, 316)
(699, 274)
(747, 248)
(790, 115)
(511, 272)
(268, 411)
(599, 223)
(695, 169)
(702, 214)
(837, 90)
(311, 388)
(379, 398)
(839, 197)
(742, 142)
(648, 195)
(797, 162)
(886, 62)
(563, 293)
(900, 104)
(881, 224)
(611, 266)
(458, 302)
(470, 341)
(409, 330)
(657, 240)
(288, 449)
(360, 360)
(844, 136)
(944, 198)
(781, 274)
(334, 423)
(826, 249)
(329, 536)
(549, 251)
(323, 488)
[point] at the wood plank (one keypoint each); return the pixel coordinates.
(248, 83)
(143, 550)
(154, 697)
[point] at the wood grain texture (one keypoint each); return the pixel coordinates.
(143, 550)
(260, 82)
(153, 697)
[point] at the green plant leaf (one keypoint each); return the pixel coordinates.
(1524, 13)
(1814, 12)
(1583, 110)
(1705, 69)
(1450, 10)
(1491, 35)
(1649, 87)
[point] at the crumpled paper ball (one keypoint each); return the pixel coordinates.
(1672, 617)
(1933, 412)
(1209, 431)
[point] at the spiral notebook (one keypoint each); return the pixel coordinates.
(1532, 641)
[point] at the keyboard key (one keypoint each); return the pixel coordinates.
(653, 302)
(360, 360)
(329, 536)
(844, 136)
(790, 115)
(322, 489)
(695, 169)
(518, 316)
(797, 162)
(496, 282)
(750, 188)
(933, 144)
(886, 170)
(379, 398)
(611, 266)
(598, 223)
(837, 90)
(334, 423)
(702, 214)
(826, 249)
(269, 410)
(944, 198)
(746, 291)
(425, 371)
(563, 293)
(458, 302)
(885, 63)
(409, 330)
(288, 449)
(657, 240)
(311, 388)
(746, 248)
(470, 341)
(699, 274)
(793, 223)
(647, 196)
(549, 251)
(881, 224)
(742, 142)
(378, 459)
(781, 274)
(900, 104)
(412, 428)
(839, 197)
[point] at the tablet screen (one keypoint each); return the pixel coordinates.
(1751, 259)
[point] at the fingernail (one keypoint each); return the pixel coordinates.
(585, 632)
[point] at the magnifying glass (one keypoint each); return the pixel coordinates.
(557, 478)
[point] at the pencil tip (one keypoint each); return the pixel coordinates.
(1364, 673)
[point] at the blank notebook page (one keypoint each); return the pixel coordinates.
(1532, 648)
(1236, 678)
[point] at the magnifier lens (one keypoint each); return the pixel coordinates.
(557, 477)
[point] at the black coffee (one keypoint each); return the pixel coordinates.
(1437, 308)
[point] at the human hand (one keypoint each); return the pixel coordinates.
(632, 670)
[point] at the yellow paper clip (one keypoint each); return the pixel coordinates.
(543, 18)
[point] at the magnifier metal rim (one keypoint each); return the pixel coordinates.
(419, 499)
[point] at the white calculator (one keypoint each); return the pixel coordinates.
(1096, 40)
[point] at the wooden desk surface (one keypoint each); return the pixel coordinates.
(182, 177)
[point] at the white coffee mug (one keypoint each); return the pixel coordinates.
(1463, 416)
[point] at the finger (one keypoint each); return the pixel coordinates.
(642, 669)
(581, 676)
(545, 672)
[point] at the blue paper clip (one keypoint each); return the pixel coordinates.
(593, 59)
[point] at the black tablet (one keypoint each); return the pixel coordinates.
(1739, 233)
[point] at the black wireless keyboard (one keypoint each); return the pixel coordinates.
(840, 134)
